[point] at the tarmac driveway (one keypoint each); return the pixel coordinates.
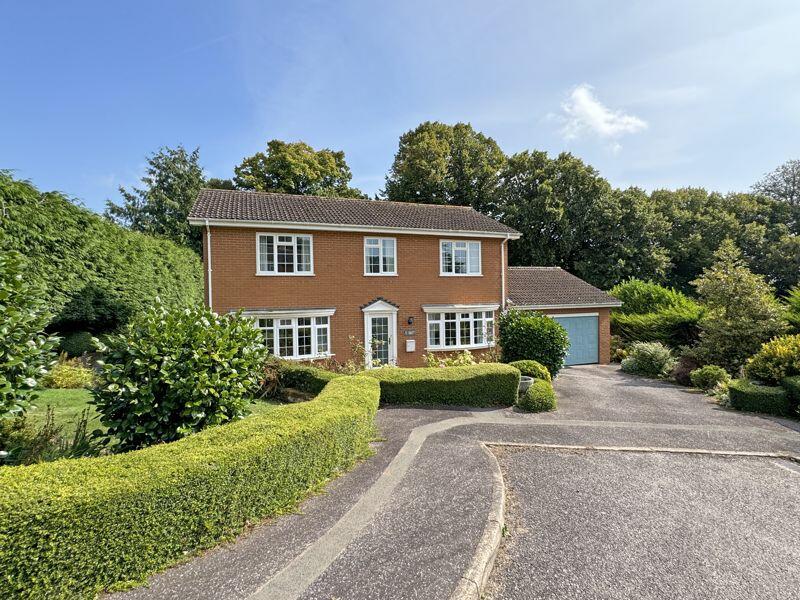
(632, 489)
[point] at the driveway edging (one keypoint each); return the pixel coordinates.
(474, 579)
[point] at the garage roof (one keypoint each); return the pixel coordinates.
(553, 287)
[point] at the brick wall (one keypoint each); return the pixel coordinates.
(339, 282)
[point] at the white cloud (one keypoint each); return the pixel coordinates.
(584, 114)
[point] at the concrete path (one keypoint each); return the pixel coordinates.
(420, 519)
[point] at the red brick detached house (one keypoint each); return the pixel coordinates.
(314, 272)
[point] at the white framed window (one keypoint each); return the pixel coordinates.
(453, 329)
(296, 337)
(380, 256)
(458, 257)
(284, 254)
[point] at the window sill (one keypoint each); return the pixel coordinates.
(380, 274)
(284, 274)
(457, 348)
(302, 358)
(460, 274)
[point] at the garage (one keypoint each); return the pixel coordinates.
(582, 309)
(583, 331)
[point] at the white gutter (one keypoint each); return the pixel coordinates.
(208, 262)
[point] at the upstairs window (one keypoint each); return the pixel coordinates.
(284, 254)
(380, 256)
(460, 258)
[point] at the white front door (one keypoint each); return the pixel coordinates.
(381, 338)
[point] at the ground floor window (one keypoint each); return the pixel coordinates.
(474, 329)
(296, 337)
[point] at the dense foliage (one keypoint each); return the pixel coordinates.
(160, 207)
(538, 397)
(639, 297)
(777, 359)
(533, 336)
(175, 372)
(25, 350)
(793, 309)
(306, 378)
(708, 377)
(651, 359)
(532, 368)
(487, 384)
(741, 312)
(746, 395)
(69, 375)
(446, 164)
(95, 273)
(72, 528)
(296, 168)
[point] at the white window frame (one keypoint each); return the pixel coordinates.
(466, 243)
(382, 273)
(294, 316)
(295, 237)
(488, 324)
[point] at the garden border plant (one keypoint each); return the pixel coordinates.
(72, 528)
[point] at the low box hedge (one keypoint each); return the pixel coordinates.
(487, 384)
(72, 528)
(538, 398)
(745, 395)
(306, 378)
(792, 387)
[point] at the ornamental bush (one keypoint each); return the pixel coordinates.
(674, 326)
(640, 297)
(708, 377)
(777, 359)
(533, 336)
(25, 351)
(746, 395)
(306, 378)
(175, 372)
(537, 398)
(532, 368)
(69, 376)
(792, 387)
(486, 384)
(651, 359)
(72, 528)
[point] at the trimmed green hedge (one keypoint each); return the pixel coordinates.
(792, 387)
(674, 326)
(538, 398)
(745, 395)
(532, 368)
(97, 274)
(487, 384)
(71, 528)
(305, 378)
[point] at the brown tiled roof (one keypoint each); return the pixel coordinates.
(553, 287)
(236, 205)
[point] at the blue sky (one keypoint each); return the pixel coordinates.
(652, 93)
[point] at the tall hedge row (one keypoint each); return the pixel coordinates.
(97, 274)
(71, 528)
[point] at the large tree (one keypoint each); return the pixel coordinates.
(446, 164)
(783, 184)
(160, 207)
(296, 168)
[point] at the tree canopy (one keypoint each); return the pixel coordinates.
(296, 168)
(446, 164)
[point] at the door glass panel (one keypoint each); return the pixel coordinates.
(380, 339)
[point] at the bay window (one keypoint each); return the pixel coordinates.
(459, 329)
(459, 258)
(296, 337)
(284, 254)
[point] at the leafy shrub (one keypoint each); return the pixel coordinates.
(687, 362)
(745, 395)
(640, 297)
(533, 336)
(76, 343)
(96, 274)
(651, 359)
(72, 528)
(488, 384)
(69, 373)
(531, 368)
(673, 326)
(793, 309)
(305, 378)
(708, 377)
(539, 397)
(618, 349)
(792, 387)
(175, 372)
(25, 351)
(444, 359)
(777, 359)
(25, 444)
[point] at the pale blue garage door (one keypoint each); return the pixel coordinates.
(583, 342)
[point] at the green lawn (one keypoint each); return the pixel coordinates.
(68, 405)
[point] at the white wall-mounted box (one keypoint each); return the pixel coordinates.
(411, 345)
